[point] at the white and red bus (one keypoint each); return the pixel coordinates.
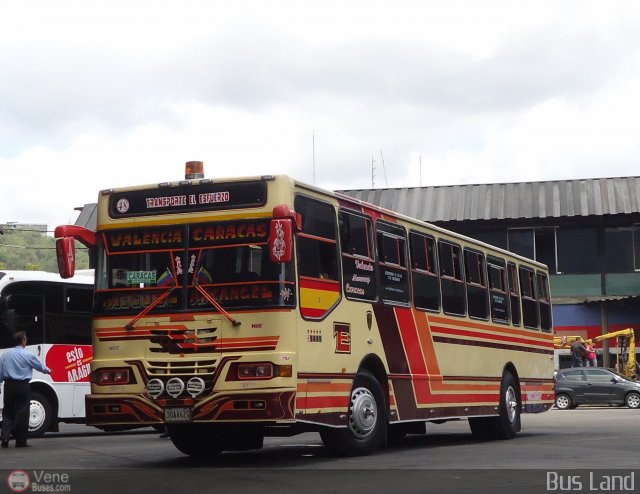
(56, 315)
(230, 310)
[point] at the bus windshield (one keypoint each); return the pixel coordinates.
(229, 261)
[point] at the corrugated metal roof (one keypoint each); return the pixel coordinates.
(554, 199)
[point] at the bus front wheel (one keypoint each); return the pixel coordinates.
(367, 422)
(194, 440)
(40, 415)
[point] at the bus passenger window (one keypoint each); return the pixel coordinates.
(392, 266)
(477, 296)
(544, 300)
(358, 259)
(453, 289)
(514, 294)
(530, 316)
(317, 242)
(498, 300)
(426, 285)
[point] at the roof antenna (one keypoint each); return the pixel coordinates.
(384, 170)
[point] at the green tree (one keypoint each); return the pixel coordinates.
(30, 250)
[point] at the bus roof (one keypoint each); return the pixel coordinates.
(344, 197)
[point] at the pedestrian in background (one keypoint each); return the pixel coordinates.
(592, 357)
(578, 353)
(16, 369)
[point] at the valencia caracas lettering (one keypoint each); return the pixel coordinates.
(200, 236)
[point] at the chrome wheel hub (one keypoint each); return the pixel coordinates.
(364, 412)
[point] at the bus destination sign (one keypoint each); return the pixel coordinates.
(187, 198)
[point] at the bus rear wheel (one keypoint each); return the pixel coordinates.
(40, 415)
(367, 422)
(507, 424)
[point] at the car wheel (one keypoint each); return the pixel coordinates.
(564, 402)
(632, 400)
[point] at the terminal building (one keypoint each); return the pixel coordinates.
(586, 231)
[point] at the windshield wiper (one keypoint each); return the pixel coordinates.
(149, 307)
(215, 303)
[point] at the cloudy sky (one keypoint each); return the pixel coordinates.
(344, 94)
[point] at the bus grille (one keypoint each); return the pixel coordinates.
(181, 367)
(184, 341)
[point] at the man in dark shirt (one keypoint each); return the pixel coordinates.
(578, 353)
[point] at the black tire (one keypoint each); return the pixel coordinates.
(40, 415)
(508, 424)
(632, 400)
(367, 427)
(207, 440)
(195, 440)
(481, 428)
(564, 402)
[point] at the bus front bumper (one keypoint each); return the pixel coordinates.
(138, 410)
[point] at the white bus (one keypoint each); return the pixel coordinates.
(56, 315)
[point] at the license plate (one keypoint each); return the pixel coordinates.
(182, 414)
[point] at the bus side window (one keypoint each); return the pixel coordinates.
(317, 242)
(358, 258)
(498, 299)
(392, 263)
(76, 328)
(477, 295)
(544, 301)
(451, 278)
(424, 271)
(530, 316)
(514, 294)
(27, 300)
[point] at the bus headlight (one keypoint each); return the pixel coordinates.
(258, 371)
(113, 376)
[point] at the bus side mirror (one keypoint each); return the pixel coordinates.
(281, 240)
(66, 254)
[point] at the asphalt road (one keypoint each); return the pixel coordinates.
(556, 451)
